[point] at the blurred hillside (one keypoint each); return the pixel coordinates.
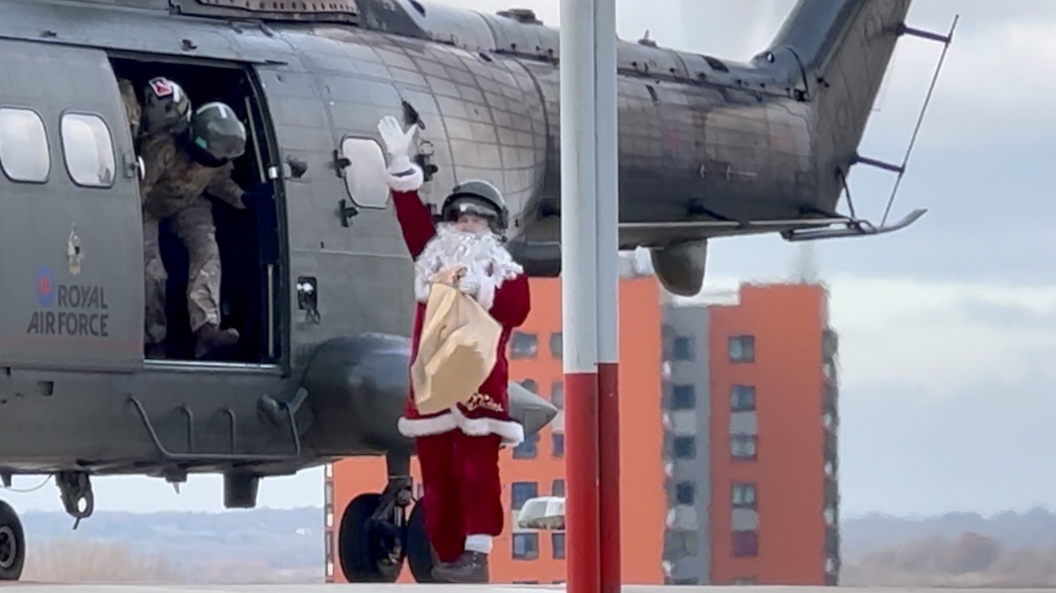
(237, 546)
(286, 546)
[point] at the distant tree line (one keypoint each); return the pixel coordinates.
(968, 560)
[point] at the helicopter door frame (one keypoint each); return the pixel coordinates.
(272, 255)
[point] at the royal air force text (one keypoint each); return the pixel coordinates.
(78, 311)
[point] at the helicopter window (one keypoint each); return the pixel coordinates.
(89, 150)
(23, 145)
(365, 174)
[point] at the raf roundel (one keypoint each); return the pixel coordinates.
(45, 287)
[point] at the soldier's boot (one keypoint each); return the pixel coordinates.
(211, 340)
(470, 567)
(155, 351)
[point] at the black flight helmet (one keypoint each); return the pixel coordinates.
(478, 197)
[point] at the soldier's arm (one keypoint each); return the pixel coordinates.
(513, 302)
(158, 153)
(225, 188)
(415, 220)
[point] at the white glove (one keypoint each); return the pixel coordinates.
(468, 285)
(397, 143)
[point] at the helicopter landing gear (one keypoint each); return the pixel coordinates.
(76, 488)
(370, 541)
(420, 555)
(12, 544)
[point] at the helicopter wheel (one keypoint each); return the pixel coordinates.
(370, 550)
(420, 556)
(12, 544)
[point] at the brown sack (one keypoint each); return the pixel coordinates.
(456, 351)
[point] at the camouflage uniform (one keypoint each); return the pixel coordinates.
(173, 188)
(132, 106)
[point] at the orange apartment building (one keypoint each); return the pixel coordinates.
(751, 417)
(750, 508)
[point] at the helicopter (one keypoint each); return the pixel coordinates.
(315, 277)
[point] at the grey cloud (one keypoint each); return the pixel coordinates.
(906, 455)
(1007, 316)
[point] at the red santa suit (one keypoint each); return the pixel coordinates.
(458, 448)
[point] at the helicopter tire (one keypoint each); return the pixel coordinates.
(420, 556)
(369, 550)
(12, 544)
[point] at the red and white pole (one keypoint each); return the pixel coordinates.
(607, 257)
(579, 294)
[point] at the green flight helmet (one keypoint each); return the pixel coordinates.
(478, 197)
(217, 132)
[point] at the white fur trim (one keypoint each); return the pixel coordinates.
(488, 264)
(405, 183)
(512, 433)
(422, 427)
(479, 543)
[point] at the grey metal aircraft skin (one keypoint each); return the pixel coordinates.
(318, 280)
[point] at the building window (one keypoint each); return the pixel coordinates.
(23, 145)
(744, 582)
(528, 448)
(684, 447)
(744, 495)
(525, 546)
(742, 398)
(523, 345)
(557, 542)
(556, 343)
(89, 150)
(743, 446)
(328, 493)
(742, 348)
(557, 394)
(557, 488)
(530, 385)
(683, 397)
(685, 348)
(520, 492)
(685, 493)
(557, 444)
(745, 544)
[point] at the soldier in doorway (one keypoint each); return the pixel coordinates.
(180, 168)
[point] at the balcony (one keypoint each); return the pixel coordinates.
(830, 344)
(830, 398)
(832, 494)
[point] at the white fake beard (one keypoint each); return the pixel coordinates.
(488, 264)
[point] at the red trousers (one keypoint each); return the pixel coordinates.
(462, 490)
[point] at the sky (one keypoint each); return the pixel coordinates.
(948, 328)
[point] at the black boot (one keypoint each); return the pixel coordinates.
(470, 567)
(211, 341)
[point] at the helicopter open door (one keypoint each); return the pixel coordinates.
(71, 238)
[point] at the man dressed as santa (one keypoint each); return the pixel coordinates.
(458, 448)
